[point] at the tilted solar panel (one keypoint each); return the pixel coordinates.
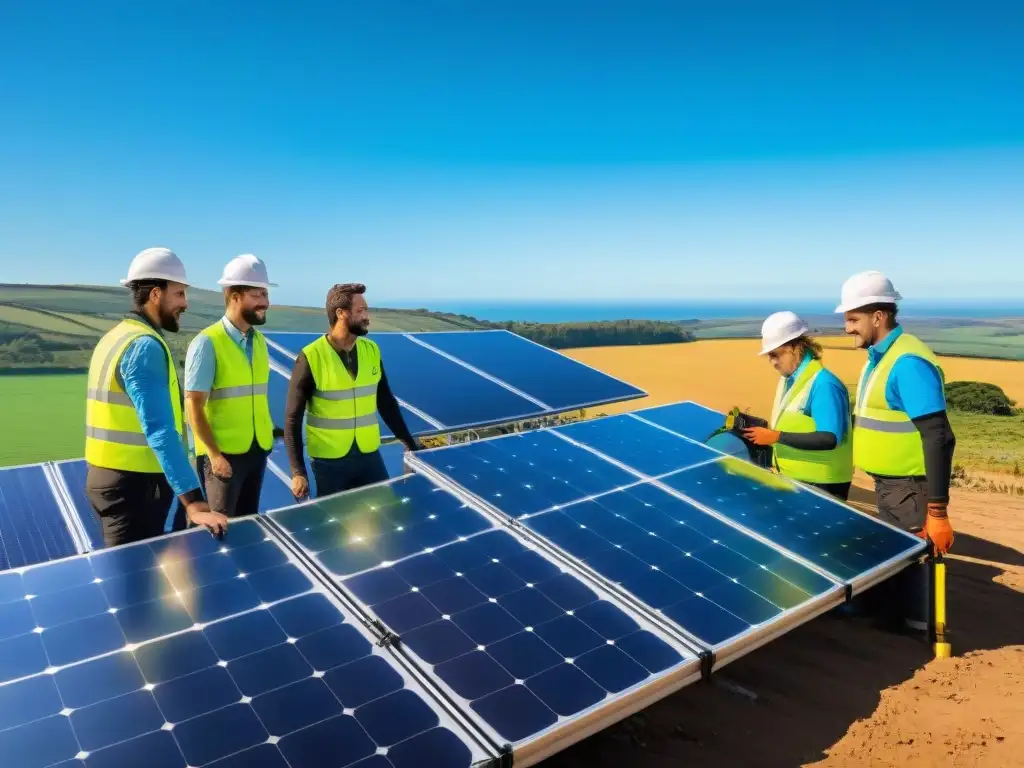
(524, 644)
(720, 587)
(546, 375)
(32, 526)
(689, 419)
(186, 651)
(460, 380)
(73, 475)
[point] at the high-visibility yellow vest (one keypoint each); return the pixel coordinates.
(237, 408)
(342, 411)
(886, 442)
(113, 433)
(834, 466)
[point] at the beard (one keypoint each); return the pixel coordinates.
(358, 329)
(169, 319)
(252, 318)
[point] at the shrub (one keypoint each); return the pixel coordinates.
(978, 397)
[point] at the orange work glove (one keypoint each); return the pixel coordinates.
(761, 435)
(937, 527)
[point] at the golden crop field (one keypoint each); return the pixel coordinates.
(721, 373)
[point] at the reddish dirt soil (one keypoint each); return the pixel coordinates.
(841, 691)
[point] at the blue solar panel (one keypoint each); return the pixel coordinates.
(831, 535)
(712, 580)
(526, 472)
(186, 651)
(518, 639)
(32, 528)
(643, 447)
(73, 474)
(688, 419)
(558, 381)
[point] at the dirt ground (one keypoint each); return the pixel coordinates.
(842, 692)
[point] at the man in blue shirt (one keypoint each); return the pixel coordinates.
(137, 461)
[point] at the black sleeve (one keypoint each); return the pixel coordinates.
(300, 390)
(808, 441)
(387, 407)
(938, 441)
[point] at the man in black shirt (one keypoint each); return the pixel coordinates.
(341, 366)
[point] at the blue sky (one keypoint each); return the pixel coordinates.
(463, 150)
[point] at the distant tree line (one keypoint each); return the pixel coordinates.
(612, 333)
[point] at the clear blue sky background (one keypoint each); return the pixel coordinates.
(529, 149)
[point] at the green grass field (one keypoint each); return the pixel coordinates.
(43, 418)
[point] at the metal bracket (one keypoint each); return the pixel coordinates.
(387, 637)
(505, 756)
(707, 661)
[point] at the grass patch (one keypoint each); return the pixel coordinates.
(43, 418)
(991, 443)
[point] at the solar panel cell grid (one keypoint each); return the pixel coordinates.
(828, 534)
(188, 651)
(521, 641)
(640, 446)
(32, 529)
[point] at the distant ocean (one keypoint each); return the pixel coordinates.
(568, 311)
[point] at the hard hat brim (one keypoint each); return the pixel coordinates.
(785, 340)
(868, 300)
(247, 283)
(157, 276)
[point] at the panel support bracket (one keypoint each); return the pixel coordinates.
(707, 663)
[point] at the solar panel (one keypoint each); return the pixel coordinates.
(523, 643)
(186, 651)
(855, 547)
(499, 377)
(73, 475)
(720, 587)
(558, 381)
(689, 419)
(32, 525)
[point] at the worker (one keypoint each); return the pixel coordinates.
(902, 437)
(134, 448)
(339, 383)
(809, 429)
(227, 370)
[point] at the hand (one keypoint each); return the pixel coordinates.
(220, 466)
(938, 528)
(300, 487)
(413, 446)
(199, 513)
(761, 435)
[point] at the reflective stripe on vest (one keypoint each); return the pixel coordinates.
(342, 411)
(113, 433)
(237, 408)
(886, 442)
(834, 466)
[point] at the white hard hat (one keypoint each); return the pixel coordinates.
(246, 270)
(156, 264)
(871, 287)
(779, 328)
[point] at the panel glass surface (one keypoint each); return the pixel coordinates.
(558, 381)
(526, 472)
(826, 533)
(520, 641)
(187, 651)
(694, 421)
(713, 581)
(647, 449)
(74, 474)
(32, 529)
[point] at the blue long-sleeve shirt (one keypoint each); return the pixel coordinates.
(143, 374)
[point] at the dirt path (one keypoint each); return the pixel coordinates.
(840, 692)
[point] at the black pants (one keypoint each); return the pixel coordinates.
(237, 496)
(903, 503)
(840, 490)
(131, 506)
(353, 470)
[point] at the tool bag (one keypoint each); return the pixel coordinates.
(735, 422)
